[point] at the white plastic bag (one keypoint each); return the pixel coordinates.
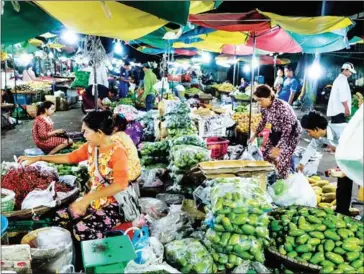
(53, 252)
(40, 198)
(349, 153)
(295, 190)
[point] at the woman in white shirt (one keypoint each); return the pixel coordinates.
(339, 107)
(28, 74)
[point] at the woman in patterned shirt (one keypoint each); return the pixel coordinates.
(44, 136)
(285, 129)
(99, 210)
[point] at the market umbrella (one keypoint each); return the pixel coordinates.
(271, 26)
(125, 20)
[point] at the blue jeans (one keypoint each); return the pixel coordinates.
(149, 102)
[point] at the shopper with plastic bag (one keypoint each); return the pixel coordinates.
(295, 190)
(285, 130)
(327, 133)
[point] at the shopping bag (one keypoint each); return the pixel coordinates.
(349, 152)
(39, 197)
(295, 190)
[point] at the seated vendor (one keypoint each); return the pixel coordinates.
(102, 208)
(44, 136)
(119, 135)
(88, 99)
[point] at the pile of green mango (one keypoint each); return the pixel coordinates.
(320, 237)
(153, 153)
(240, 227)
(187, 156)
(194, 140)
(189, 256)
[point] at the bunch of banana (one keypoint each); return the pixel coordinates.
(325, 192)
(358, 99)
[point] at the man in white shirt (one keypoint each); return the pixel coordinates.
(322, 133)
(339, 107)
(101, 76)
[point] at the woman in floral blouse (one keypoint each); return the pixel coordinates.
(98, 211)
(285, 129)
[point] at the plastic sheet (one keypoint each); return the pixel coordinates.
(190, 256)
(153, 207)
(295, 190)
(188, 140)
(46, 169)
(151, 177)
(175, 226)
(170, 199)
(185, 157)
(154, 268)
(40, 198)
(248, 267)
(53, 250)
(240, 222)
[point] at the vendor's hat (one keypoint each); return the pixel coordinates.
(349, 66)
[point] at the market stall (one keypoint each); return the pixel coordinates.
(208, 202)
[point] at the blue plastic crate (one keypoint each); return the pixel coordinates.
(22, 99)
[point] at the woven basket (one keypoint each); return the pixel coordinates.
(8, 202)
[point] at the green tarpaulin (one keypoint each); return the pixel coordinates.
(29, 22)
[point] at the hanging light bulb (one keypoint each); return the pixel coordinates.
(69, 37)
(51, 55)
(118, 49)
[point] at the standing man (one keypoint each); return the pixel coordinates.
(290, 86)
(124, 80)
(339, 107)
(149, 93)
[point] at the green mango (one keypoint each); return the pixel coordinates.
(352, 256)
(346, 268)
(317, 234)
(326, 263)
(357, 264)
(348, 246)
(335, 258)
(345, 233)
(338, 243)
(240, 219)
(234, 239)
(225, 238)
(306, 256)
(302, 239)
(339, 250)
(317, 258)
(292, 254)
(248, 229)
(327, 269)
(303, 248)
(314, 241)
(329, 245)
(319, 227)
(314, 220)
(331, 234)
(296, 233)
(262, 232)
(288, 247)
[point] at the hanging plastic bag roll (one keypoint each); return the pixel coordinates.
(349, 153)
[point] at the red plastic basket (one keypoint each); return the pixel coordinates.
(218, 147)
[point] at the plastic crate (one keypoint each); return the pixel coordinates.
(23, 99)
(218, 147)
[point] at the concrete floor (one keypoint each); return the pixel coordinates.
(15, 141)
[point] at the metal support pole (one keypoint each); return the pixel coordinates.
(16, 92)
(234, 74)
(252, 82)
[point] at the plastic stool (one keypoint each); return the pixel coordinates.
(109, 254)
